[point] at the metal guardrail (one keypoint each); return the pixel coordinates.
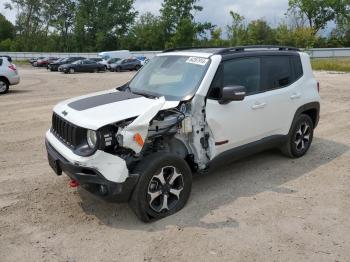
(27, 55)
(314, 53)
(329, 52)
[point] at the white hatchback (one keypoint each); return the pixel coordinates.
(8, 74)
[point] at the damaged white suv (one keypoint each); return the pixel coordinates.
(183, 112)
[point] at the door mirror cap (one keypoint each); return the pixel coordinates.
(232, 93)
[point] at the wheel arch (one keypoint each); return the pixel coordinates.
(311, 109)
(5, 79)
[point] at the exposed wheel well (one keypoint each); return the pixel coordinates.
(312, 113)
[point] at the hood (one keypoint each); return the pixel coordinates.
(100, 109)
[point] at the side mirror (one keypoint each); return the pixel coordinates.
(232, 93)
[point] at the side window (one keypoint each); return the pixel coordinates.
(242, 72)
(0, 62)
(278, 72)
(298, 68)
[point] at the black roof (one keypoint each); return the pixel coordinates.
(232, 50)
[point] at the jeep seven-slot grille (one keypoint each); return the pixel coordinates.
(68, 133)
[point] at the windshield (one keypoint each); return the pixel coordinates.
(174, 77)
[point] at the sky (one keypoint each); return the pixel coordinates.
(215, 11)
(218, 11)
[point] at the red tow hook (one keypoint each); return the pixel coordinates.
(73, 183)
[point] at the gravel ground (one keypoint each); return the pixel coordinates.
(264, 208)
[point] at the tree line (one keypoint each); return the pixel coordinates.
(95, 25)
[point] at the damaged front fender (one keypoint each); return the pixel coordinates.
(139, 127)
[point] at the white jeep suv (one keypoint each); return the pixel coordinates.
(185, 111)
(8, 74)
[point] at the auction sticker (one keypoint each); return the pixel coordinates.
(197, 60)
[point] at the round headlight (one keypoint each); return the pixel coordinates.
(91, 137)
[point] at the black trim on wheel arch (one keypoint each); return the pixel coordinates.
(248, 149)
(306, 107)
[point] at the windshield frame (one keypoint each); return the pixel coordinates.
(169, 97)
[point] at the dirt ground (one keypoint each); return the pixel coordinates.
(264, 208)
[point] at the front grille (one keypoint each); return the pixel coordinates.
(65, 131)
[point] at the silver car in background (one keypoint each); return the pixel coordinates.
(8, 74)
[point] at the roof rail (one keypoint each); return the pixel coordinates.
(243, 48)
(188, 48)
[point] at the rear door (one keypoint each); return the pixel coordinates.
(282, 92)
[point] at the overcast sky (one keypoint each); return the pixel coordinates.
(216, 11)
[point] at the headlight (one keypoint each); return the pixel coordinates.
(91, 137)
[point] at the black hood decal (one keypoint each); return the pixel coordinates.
(99, 100)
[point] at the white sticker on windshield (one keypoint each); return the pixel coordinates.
(197, 60)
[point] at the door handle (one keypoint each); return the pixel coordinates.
(258, 106)
(295, 96)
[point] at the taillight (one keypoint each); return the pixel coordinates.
(318, 86)
(12, 67)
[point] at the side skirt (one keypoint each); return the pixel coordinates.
(248, 149)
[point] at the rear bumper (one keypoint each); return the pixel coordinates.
(14, 80)
(91, 179)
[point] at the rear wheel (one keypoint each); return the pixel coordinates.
(71, 70)
(4, 86)
(164, 186)
(300, 138)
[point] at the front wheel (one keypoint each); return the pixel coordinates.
(71, 70)
(300, 137)
(163, 188)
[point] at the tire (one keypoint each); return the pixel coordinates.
(118, 69)
(176, 193)
(71, 70)
(4, 86)
(137, 68)
(95, 70)
(300, 137)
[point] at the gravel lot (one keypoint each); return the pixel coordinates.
(264, 208)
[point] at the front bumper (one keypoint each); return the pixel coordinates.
(90, 176)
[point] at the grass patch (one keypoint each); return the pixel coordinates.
(332, 64)
(21, 62)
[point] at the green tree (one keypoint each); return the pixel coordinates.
(7, 30)
(29, 23)
(260, 33)
(148, 34)
(178, 22)
(100, 24)
(319, 12)
(237, 31)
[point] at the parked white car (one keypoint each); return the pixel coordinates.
(184, 111)
(107, 56)
(8, 74)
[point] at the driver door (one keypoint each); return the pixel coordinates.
(239, 122)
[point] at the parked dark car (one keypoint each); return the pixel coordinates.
(68, 60)
(96, 59)
(45, 61)
(82, 66)
(126, 64)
